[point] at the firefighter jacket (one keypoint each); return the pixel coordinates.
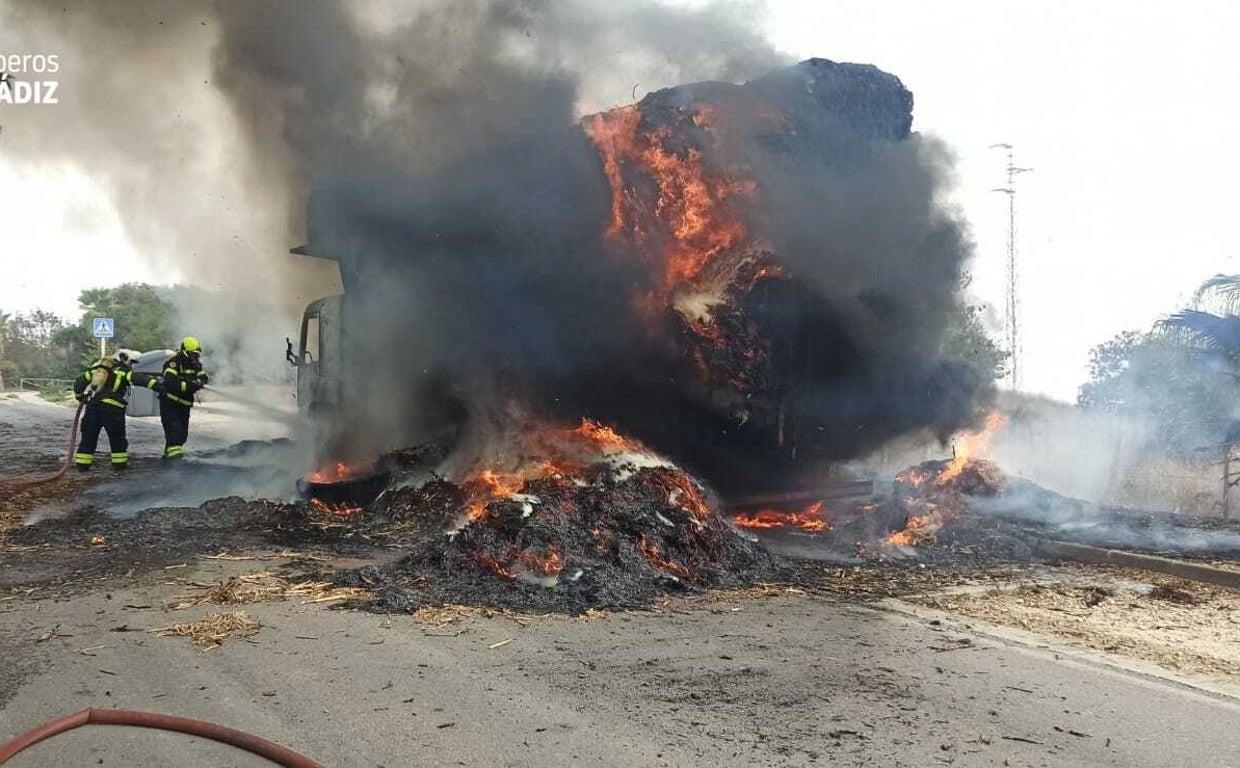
(108, 384)
(182, 378)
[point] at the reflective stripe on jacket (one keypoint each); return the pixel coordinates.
(111, 384)
(182, 378)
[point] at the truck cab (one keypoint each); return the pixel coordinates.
(317, 355)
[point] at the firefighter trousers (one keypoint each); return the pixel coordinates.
(110, 419)
(175, 418)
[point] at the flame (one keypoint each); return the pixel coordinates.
(689, 210)
(970, 445)
(808, 519)
(487, 486)
(651, 553)
(603, 437)
(687, 495)
(494, 564)
(914, 476)
(916, 528)
(557, 467)
(547, 565)
(525, 561)
(614, 133)
(551, 452)
(340, 509)
(334, 474)
(565, 454)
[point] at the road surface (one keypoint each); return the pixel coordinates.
(784, 681)
(794, 680)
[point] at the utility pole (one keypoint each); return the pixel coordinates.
(1011, 311)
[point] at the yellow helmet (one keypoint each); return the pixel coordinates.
(191, 344)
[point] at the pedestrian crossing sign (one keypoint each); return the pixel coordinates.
(104, 327)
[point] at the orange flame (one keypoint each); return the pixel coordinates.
(917, 528)
(808, 519)
(690, 207)
(686, 495)
(651, 553)
(340, 509)
(971, 445)
(614, 133)
(547, 565)
(914, 476)
(564, 455)
(494, 564)
(603, 437)
(334, 474)
(488, 486)
(527, 560)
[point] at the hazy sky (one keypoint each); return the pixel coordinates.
(1123, 109)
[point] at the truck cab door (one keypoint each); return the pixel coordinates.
(318, 356)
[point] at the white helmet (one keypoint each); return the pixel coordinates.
(126, 356)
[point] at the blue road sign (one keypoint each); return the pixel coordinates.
(104, 327)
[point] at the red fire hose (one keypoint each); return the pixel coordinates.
(17, 485)
(239, 739)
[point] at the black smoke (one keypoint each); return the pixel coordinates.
(437, 153)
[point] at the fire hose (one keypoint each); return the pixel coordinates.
(239, 739)
(18, 485)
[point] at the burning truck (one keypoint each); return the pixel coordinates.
(616, 325)
(754, 280)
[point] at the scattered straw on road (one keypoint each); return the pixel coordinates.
(265, 586)
(213, 629)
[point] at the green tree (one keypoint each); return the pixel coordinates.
(141, 316)
(1200, 325)
(1188, 394)
(34, 345)
(1184, 374)
(967, 340)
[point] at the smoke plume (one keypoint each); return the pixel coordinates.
(438, 153)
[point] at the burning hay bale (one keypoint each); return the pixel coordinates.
(923, 499)
(589, 519)
(741, 275)
(213, 629)
(934, 492)
(560, 544)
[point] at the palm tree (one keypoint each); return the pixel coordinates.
(1219, 333)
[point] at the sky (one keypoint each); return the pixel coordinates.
(1124, 111)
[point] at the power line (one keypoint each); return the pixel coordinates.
(1011, 310)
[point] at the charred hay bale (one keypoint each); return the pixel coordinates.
(979, 478)
(565, 545)
(975, 477)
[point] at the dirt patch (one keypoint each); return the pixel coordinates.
(1181, 625)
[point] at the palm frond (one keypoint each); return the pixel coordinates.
(1220, 292)
(1220, 333)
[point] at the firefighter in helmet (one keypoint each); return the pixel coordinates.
(183, 377)
(101, 389)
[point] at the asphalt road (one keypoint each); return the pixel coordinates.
(34, 433)
(776, 681)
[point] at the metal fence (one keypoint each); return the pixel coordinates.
(43, 383)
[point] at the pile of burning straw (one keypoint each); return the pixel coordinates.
(585, 519)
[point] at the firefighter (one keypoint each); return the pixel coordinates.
(183, 377)
(102, 389)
